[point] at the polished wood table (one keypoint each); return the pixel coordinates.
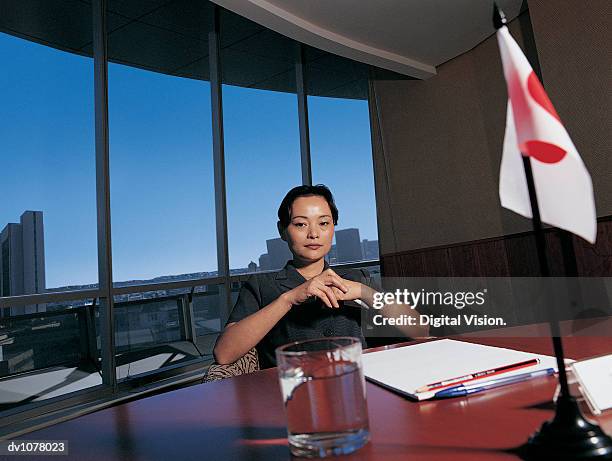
(242, 418)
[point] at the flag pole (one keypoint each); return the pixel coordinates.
(555, 329)
(568, 435)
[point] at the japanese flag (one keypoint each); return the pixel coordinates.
(563, 185)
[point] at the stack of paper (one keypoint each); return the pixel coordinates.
(406, 369)
(595, 379)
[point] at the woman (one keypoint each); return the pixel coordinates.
(306, 299)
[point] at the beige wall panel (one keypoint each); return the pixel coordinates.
(442, 140)
(573, 40)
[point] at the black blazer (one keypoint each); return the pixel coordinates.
(309, 320)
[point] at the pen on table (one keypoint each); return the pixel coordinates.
(478, 375)
(461, 390)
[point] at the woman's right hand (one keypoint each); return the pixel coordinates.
(319, 286)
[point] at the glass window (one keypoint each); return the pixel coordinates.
(161, 166)
(151, 334)
(161, 170)
(57, 349)
(341, 151)
(48, 239)
(262, 143)
(47, 177)
(207, 301)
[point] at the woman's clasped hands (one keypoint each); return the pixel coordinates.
(328, 286)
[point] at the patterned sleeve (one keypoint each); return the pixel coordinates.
(248, 300)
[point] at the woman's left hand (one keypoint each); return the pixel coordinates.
(354, 291)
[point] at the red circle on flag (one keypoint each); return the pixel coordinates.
(545, 152)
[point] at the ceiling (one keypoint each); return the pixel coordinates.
(171, 37)
(258, 37)
(410, 37)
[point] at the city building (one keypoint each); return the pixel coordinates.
(332, 256)
(22, 261)
(264, 262)
(278, 254)
(348, 245)
(369, 249)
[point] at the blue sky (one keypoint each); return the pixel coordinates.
(162, 195)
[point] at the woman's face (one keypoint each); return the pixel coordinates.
(311, 228)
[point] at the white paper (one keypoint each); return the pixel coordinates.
(405, 369)
(595, 378)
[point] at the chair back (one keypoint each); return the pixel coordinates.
(248, 363)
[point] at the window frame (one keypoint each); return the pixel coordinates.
(48, 411)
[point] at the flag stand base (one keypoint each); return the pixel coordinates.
(567, 436)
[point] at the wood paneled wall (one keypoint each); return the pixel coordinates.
(510, 255)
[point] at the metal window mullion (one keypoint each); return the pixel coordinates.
(219, 163)
(105, 276)
(377, 140)
(190, 314)
(184, 326)
(302, 99)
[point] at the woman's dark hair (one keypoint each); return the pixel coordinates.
(284, 210)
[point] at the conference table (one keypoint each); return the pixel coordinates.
(242, 418)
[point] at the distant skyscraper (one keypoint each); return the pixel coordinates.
(370, 249)
(278, 253)
(264, 262)
(331, 257)
(22, 261)
(348, 245)
(252, 267)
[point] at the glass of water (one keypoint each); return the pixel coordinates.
(324, 393)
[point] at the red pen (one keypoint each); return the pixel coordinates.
(478, 375)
